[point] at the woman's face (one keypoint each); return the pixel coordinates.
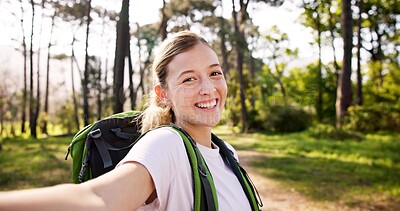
(196, 87)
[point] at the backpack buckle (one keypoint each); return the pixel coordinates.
(202, 171)
(95, 133)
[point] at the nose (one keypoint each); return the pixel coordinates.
(206, 87)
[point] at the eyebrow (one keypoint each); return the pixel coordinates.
(190, 71)
(214, 65)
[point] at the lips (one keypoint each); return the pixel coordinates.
(207, 104)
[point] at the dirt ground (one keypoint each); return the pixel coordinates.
(277, 198)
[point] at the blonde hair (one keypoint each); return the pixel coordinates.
(157, 113)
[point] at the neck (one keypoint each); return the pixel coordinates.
(200, 134)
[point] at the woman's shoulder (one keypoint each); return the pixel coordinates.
(156, 145)
(162, 134)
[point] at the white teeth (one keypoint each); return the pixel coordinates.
(207, 105)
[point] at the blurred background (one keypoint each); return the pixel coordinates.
(311, 83)
(315, 61)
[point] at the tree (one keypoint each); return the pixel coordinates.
(73, 14)
(280, 56)
(379, 35)
(162, 30)
(85, 89)
(343, 98)
(122, 47)
(241, 19)
(24, 52)
(333, 18)
(313, 10)
(359, 94)
(32, 118)
(46, 101)
(240, 44)
(146, 40)
(38, 56)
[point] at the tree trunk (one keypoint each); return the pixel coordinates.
(359, 96)
(240, 42)
(25, 91)
(162, 30)
(1, 126)
(99, 93)
(120, 54)
(106, 86)
(99, 75)
(32, 123)
(46, 100)
(141, 84)
(278, 78)
(343, 99)
(252, 76)
(132, 90)
(38, 96)
(85, 82)
(76, 106)
(224, 53)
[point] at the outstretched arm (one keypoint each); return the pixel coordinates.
(125, 188)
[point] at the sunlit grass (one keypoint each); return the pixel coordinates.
(28, 163)
(350, 171)
(11, 130)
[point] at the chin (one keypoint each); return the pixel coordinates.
(210, 122)
(201, 120)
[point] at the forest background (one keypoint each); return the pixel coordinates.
(83, 60)
(313, 88)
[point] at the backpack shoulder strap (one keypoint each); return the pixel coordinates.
(205, 195)
(248, 187)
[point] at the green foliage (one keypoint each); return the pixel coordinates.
(232, 111)
(382, 88)
(370, 118)
(233, 105)
(266, 84)
(65, 118)
(302, 86)
(325, 131)
(282, 118)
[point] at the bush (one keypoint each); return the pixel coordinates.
(377, 117)
(284, 118)
(254, 121)
(330, 132)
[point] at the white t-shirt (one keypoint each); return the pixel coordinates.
(163, 153)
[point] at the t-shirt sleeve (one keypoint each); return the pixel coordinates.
(159, 151)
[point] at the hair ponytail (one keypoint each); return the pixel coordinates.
(156, 114)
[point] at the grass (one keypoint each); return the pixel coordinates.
(29, 163)
(355, 172)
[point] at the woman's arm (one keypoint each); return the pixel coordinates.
(125, 188)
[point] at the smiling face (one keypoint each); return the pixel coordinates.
(196, 87)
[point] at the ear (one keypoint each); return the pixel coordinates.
(160, 92)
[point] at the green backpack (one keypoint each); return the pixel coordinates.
(97, 149)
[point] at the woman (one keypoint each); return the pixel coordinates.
(155, 175)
